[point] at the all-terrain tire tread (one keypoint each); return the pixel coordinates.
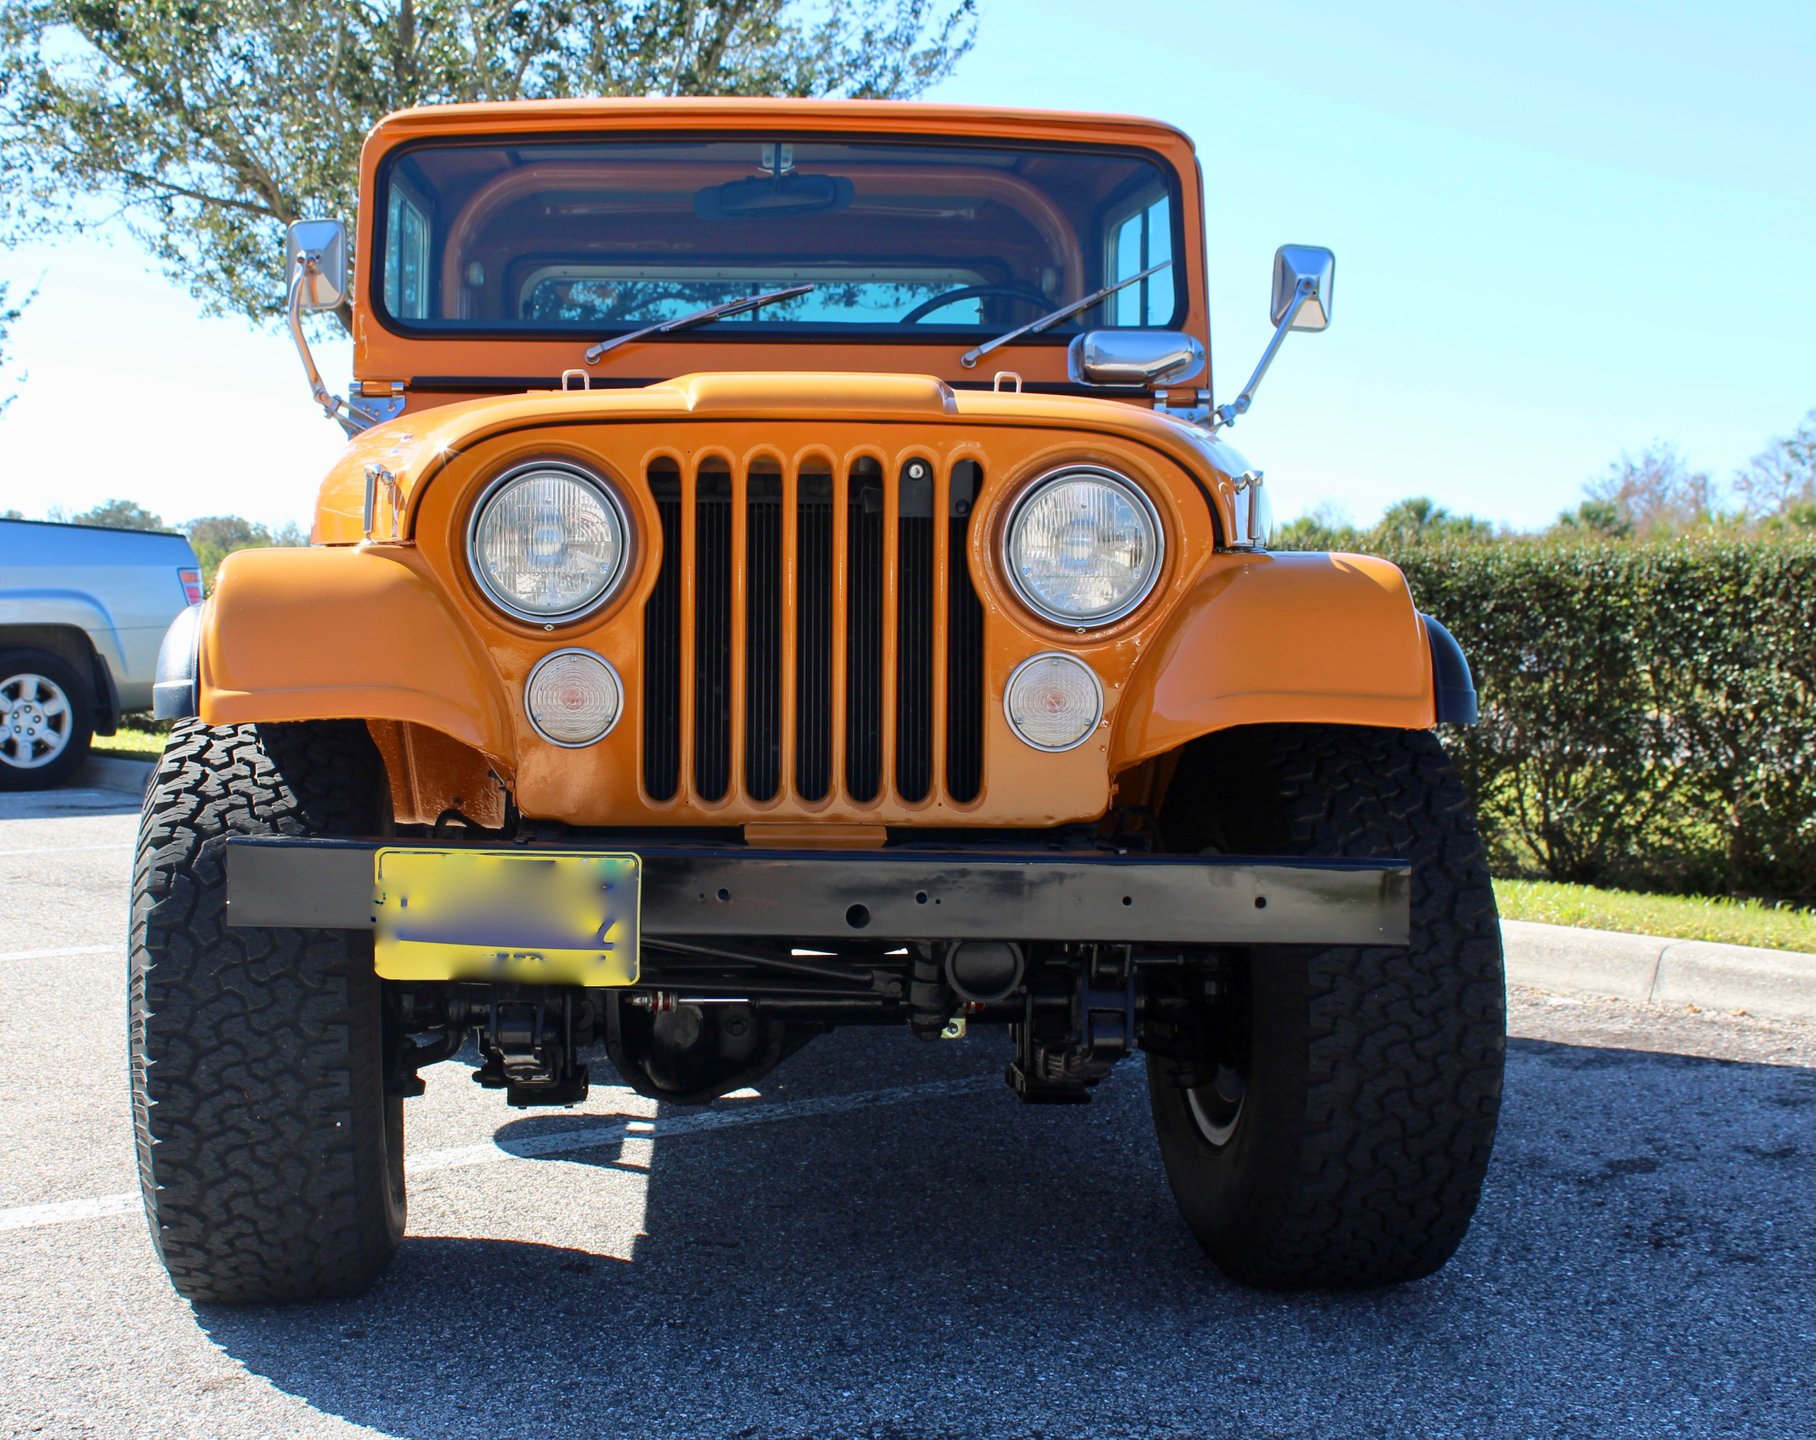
(1404, 1046)
(256, 1054)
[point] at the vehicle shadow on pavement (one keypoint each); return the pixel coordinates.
(1641, 1261)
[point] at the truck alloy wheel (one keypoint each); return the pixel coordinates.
(45, 724)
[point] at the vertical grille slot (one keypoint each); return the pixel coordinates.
(813, 633)
(662, 644)
(964, 645)
(763, 619)
(914, 632)
(712, 631)
(864, 632)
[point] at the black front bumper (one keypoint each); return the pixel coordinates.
(902, 895)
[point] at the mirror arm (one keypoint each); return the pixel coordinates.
(1226, 414)
(350, 419)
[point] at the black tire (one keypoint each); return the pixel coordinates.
(1347, 1097)
(43, 682)
(270, 1156)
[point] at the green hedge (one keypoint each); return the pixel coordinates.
(1648, 711)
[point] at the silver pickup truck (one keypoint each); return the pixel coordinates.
(82, 610)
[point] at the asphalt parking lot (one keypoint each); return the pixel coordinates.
(883, 1243)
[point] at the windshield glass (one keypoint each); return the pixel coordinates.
(916, 239)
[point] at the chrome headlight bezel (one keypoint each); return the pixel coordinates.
(617, 515)
(1115, 480)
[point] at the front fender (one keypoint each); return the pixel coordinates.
(330, 633)
(1281, 639)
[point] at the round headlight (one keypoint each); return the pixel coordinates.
(548, 542)
(573, 697)
(1053, 701)
(1083, 546)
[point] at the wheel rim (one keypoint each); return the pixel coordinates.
(35, 718)
(1216, 1105)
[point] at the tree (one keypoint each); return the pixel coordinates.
(1600, 519)
(215, 537)
(1326, 528)
(1779, 483)
(209, 125)
(9, 313)
(1653, 494)
(114, 515)
(1422, 519)
(1415, 521)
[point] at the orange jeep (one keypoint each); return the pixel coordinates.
(787, 571)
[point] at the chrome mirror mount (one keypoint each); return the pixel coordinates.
(1134, 359)
(1304, 276)
(315, 259)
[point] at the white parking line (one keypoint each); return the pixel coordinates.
(65, 952)
(610, 1131)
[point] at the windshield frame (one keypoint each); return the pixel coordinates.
(953, 337)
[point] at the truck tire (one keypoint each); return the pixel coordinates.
(1346, 1097)
(270, 1155)
(47, 719)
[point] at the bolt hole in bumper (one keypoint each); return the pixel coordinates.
(892, 896)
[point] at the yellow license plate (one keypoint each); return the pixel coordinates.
(568, 919)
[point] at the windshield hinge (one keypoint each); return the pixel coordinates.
(1192, 406)
(376, 401)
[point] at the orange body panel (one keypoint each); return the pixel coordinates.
(1269, 639)
(383, 621)
(323, 634)
(380, 355)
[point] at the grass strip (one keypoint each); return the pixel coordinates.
(1677, 917)
(138, 738)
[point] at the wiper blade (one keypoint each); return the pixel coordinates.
(699, 317)
(1047, 322)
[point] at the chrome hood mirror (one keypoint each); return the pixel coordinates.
(1134, 359)
(315, 262)
(315, 255)
(1294, 264)
(1303, 276)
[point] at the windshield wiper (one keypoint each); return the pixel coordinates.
(699, 317)
(1047, 322)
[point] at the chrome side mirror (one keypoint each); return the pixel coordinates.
(1293, 265)
(1303, 275)
(315, 262)
(1133, 359)
(315, 255)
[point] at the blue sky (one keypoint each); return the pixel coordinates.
(1562, 230)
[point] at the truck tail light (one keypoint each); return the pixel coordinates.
(192, 585)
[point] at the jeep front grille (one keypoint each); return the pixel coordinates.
(813, 634)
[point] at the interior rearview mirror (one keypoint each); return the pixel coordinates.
(790, 194)
(317, 250)
(1134, 359)
(1296, 263)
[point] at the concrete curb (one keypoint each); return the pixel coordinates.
(109, 772)
(1780, 984)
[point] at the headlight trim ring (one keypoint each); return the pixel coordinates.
(616, 510)
(1115, 479)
